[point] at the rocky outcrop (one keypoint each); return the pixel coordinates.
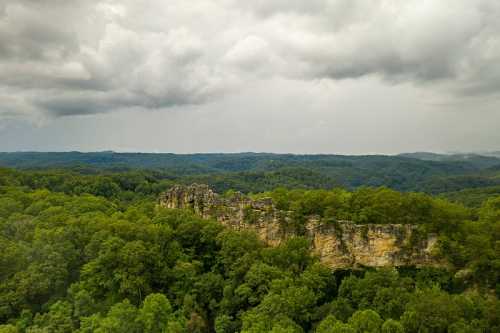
(339, 244)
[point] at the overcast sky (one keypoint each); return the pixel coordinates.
(302, 76)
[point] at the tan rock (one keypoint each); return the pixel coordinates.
(341, 244)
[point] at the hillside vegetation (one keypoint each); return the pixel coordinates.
(251, 172)
(90, 251)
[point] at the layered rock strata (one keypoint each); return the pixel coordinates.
(338, 244)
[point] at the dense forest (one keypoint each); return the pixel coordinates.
(257, 172)
(88, 250)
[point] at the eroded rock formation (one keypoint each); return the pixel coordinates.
(339, 244)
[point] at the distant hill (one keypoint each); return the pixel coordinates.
(239, 161)
(479, 161)
(249, 172)
(491, 153)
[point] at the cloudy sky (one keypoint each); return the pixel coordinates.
(315, 76)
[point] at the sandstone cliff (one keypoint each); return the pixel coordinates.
(339, 244)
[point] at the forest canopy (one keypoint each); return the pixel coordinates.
(257, 172)
(94, 253)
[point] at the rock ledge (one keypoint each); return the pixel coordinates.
(339, 244)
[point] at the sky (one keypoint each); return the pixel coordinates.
(316, 76)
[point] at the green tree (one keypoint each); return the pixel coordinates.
(224, 324)
(8, 329)
(392, 326)
(340, 327)
(430, 310)
(490, 210)
(121, 318)
(366, 321)
(58, 319)
(326, 325)
(154, 313)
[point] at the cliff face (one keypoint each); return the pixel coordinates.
(339, 244)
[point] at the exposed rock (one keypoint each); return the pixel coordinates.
(339, 244)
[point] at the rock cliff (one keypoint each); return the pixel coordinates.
(339, 244)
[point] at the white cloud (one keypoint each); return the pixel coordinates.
(94, 56)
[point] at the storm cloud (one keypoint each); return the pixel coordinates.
(65, 58)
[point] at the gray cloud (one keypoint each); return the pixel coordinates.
(63, 58)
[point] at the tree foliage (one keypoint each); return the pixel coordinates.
(99, 258)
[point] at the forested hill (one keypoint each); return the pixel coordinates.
(254, 172)
(481, 161)
(95, 253)
(219, 162)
